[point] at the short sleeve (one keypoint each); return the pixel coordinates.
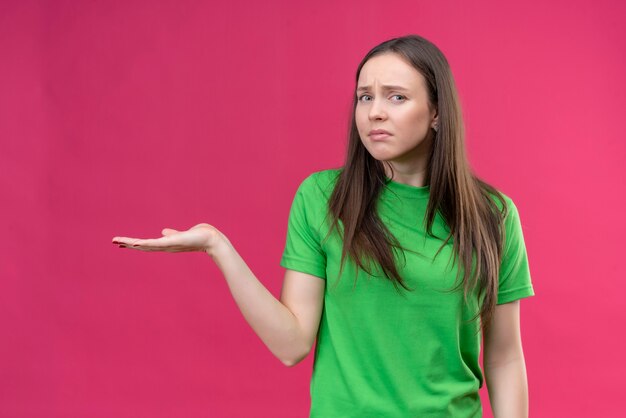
(303, 251)
(514, 281)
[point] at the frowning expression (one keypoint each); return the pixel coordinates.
(392, 97)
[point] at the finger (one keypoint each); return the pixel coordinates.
(123, 240)
(154, 248)
(200, 225)
(168, 231)
(164, 243)
(128, 242)
(152, 244)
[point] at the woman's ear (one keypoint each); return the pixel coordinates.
(435, 122)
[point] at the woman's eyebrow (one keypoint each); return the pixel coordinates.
(385, 87)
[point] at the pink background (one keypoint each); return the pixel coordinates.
(125, 117)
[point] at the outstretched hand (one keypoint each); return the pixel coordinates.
(201, 237)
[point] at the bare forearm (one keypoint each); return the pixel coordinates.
(508, 389)
(272, 321)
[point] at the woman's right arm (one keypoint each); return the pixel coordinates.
(288, 326)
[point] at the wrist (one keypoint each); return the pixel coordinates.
(220, 246)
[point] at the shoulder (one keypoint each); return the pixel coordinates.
(500, 201)
(312, 197)
(320, 182)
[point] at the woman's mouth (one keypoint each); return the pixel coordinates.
(378, 134)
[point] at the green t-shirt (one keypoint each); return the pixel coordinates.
(381, 353)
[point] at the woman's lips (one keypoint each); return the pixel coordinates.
(378, 134)
(379, 137)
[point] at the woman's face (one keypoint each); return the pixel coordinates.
(392, 96)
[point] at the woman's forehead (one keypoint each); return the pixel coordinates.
(387, 71)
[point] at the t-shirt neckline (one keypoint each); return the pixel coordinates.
(407, 190)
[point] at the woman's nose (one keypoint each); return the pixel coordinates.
(377, 110)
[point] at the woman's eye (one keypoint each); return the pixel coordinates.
(366, 97)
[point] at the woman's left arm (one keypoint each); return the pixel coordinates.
(503, 361)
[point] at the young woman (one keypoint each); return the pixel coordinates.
(396, 263)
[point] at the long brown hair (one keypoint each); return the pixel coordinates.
(463, 200)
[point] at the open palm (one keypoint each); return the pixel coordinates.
(198, 238)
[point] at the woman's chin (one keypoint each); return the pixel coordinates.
(383, 156)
